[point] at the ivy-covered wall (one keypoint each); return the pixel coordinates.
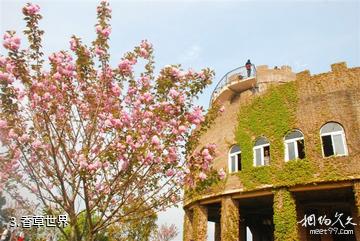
(305, 104)
(187, 226)
(200, 220)
(285, 221)
(272, 115)
(230, 219)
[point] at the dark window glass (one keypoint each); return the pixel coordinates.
(301, 149)
(327, 146)
(239, 161)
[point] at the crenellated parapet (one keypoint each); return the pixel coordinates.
(267, 76)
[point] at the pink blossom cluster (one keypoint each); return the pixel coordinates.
(145, 49)
(146, 44)
(73, 44)
(11, 41)
(221, 173)
(99, 51)
(201, 163)
(126, 66)
(64, 65)
(31, 9)
(85, 164)
(105, 32)
(196, 116)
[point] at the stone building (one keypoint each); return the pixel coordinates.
(290, 144)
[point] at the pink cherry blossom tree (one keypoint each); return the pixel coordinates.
(86, 138)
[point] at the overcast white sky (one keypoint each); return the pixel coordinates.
(221, 35)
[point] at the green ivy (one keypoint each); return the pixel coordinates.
(230, 210)
(285, 219)
(270, 115)
(253, 177)
(294, 172)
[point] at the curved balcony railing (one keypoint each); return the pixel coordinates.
(242, 74)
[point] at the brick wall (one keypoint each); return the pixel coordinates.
(331, 96)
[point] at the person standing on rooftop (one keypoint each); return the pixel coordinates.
(248, 67)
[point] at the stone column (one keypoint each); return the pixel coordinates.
(285, 218)
(188, 222)
(200, 220)
(229, 219)
(217, 232)
(356, 209)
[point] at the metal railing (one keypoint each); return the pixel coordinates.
(242, 74)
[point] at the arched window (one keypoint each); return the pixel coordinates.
(261, 152)
(294, 145)
(333, 140)
(234, 159)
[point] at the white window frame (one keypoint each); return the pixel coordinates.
(296, 148)
(332, 134)
(261, 147)
(236, 160)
